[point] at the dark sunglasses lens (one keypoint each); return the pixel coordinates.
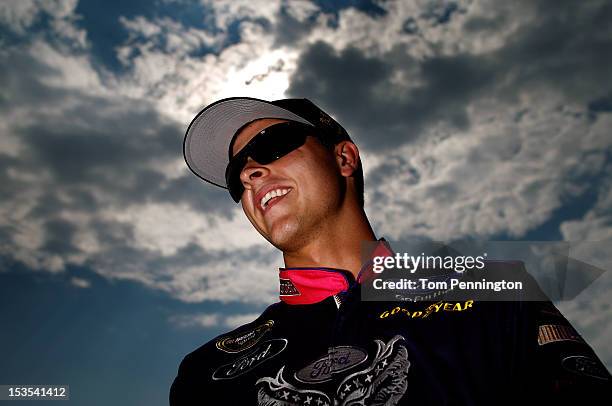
(276, 144)
(232, 179)
(269, 145)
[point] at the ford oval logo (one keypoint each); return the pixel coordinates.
(337, 360)
(247, 362)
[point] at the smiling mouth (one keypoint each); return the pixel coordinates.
(272, 196)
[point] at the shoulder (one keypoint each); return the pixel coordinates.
(197, 367)
(237, 340)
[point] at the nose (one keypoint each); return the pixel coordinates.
(252, 171)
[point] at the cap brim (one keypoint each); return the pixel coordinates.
(208, 137)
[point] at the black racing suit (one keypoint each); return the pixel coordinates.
(322, 345)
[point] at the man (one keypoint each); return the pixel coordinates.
(298, 176)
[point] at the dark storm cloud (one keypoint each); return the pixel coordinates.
(162, 270)
(112, 158)
(80, 153)
(21, 81)
(565, 49)
(102, 142)
(358, 91)
(112, 144)
(200, 195)
(58, 236)
(8, 184)
(602, 104)
(289, 30)
(440, 13)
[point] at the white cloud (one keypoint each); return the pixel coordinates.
(80, 282)
(197, 320)
(166, 228)
(212, 320)
(502, 176)
(301, 9)
(237, 320)
(20, 16)
(181, 84)
(71, 71)
(596, 224)
(227, 12)
(227, 279)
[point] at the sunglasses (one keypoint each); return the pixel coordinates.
(267, 146)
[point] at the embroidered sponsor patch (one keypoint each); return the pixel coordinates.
(338, 359)
(585, 366)
(439, 307)
(287, 288)
(244, 340)
(383, 382)
(551, 333)
(262, 353)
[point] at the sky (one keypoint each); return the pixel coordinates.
(474, 119)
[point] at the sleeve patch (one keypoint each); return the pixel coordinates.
(550, 333)
(585, 366)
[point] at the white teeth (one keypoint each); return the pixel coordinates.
(271, 194)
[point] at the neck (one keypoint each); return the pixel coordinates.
(337, 244)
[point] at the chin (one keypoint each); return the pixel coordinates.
(286, 236)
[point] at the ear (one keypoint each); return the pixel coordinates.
(347, 157)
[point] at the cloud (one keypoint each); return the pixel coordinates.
(207, 320)
(294, 21)
(475, 119)
(393, 92)
(596, 224)
(237, 320)
(22, 15)
(80, 282)
(466, 130)
(498, 178)
(94, 176)
(198, 320)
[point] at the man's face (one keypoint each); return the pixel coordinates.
(307, 184)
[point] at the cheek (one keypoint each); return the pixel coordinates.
(249, 211)
(318, 174)
(247, 206)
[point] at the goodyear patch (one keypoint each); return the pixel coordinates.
(244, 340)
(552, 333)
(439, 307)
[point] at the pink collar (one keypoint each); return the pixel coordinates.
(312, 285)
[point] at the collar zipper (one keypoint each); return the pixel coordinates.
(338, 301)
